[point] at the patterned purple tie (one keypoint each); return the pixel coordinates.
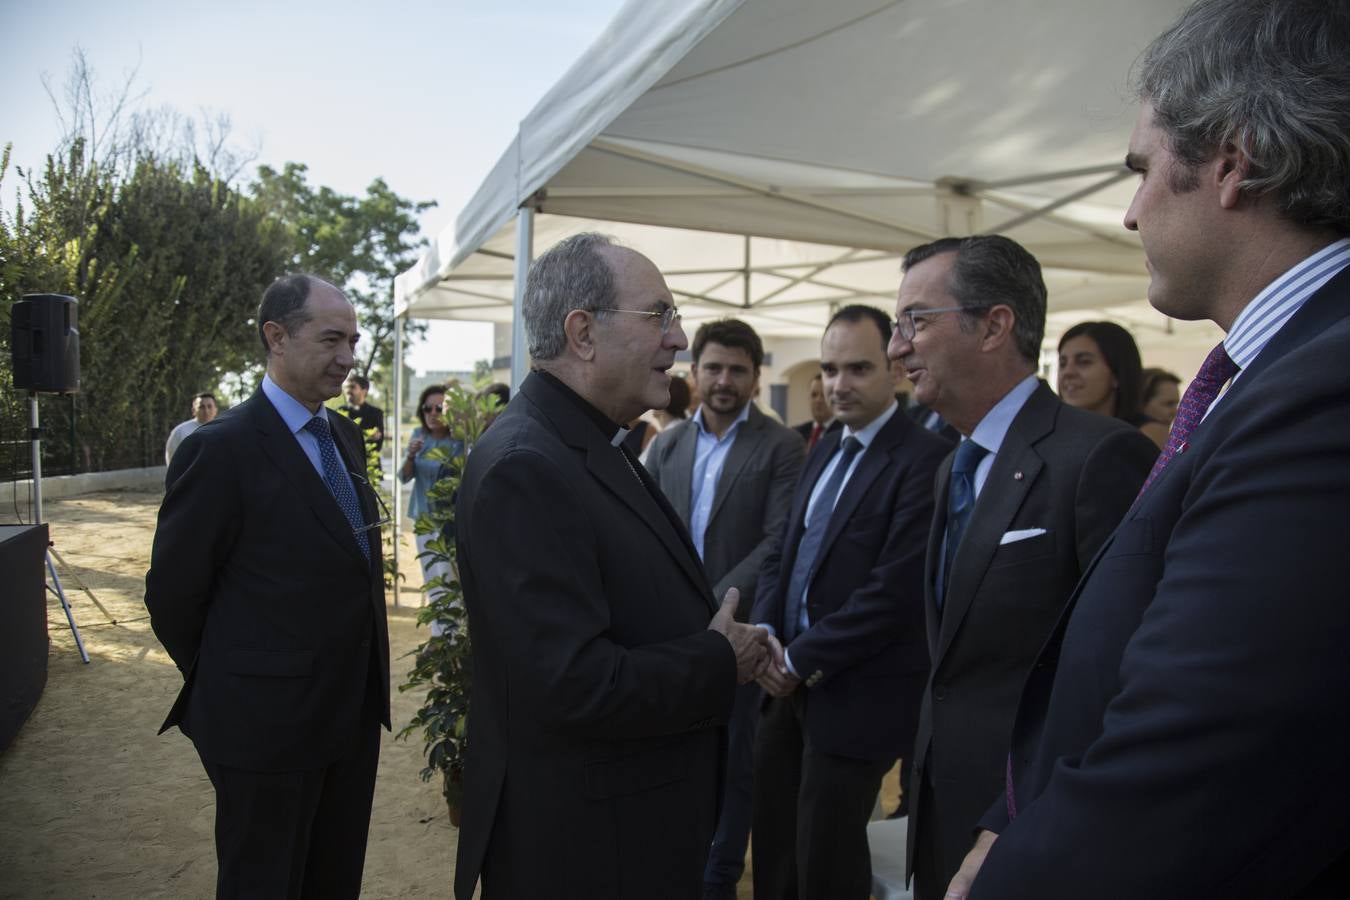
(1200, 393)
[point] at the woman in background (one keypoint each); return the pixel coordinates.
(433, 433)
(1099, 370)
(1161, 395)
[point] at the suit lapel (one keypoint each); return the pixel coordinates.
(626, 478)
(281, 446)
(743, 448)
(1015, 469)
(815, 464)
(681, 470)
(354, 460)
(935, 535)
(874, 461)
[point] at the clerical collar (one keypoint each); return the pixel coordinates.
(607, 426)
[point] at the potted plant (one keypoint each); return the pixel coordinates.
(442, 663)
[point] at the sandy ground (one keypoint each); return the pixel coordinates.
(94, 805)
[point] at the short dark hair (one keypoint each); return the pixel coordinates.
(498, 390)
(360, 381)
(1154, 379)
(679, 398)
(990, 270)
(422, 401)
(858, 312)
(203, 395)
(728, 333)
(284, 303)
(1271, 78)
(1121, 355)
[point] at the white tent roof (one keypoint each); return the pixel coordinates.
(838, 135)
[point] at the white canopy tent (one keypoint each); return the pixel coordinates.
(776, 157)
(835, 135)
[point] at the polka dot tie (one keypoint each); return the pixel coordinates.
(339, 486)
(1214, 373)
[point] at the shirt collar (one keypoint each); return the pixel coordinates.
(993, 428)
(869, 431)
(1276, 304)
(292, 411)
(743, 416)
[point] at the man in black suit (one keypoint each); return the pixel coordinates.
(843, 595)
(822, 417)
(1183, 733)
(728, 473)
(266, 589)
(367, 416)
(1050, 484)
(600, 688)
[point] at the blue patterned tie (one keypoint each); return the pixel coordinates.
(960, 502)
(340, 487)
(816, 522)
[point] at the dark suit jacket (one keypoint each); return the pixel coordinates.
(808, 426)
(864, 656)
(919, 413)
(1072, 473)
(595, 745)
(750, 504)
(261, 596)
(1184, 732)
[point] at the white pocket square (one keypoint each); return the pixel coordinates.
(1021, 534)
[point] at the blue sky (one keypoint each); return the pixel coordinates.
(423, 94)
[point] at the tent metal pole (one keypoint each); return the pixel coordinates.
(524, 256)
(395, 419)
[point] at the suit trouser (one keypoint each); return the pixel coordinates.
(295, 835)
(810, 811)
(726, 861)
(932, 873)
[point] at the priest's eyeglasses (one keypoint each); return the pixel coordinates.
(668, 316)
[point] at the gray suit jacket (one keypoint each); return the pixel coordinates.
(1073, 474)
(753, 495)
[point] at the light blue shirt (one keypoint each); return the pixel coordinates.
(991, 431)
(1273, 307)
(865, 436)
(710, 454)
(993, 428)
(296, 415)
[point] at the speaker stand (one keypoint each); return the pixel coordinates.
(35, 438)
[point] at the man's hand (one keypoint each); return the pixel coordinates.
(750, 643)
(777, 679)
(964, 878)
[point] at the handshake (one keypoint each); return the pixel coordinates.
(759, 656)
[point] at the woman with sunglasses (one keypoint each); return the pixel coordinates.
(433, 433)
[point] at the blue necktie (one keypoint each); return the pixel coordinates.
(960, 501)
(339, 486)
(816, 522)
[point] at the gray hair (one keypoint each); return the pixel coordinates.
(569, 275)
(991, 269)
(1271, 77)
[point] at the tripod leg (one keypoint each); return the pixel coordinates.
(70, 572)
(70, 617)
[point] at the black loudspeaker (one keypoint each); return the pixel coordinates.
(45, 344)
